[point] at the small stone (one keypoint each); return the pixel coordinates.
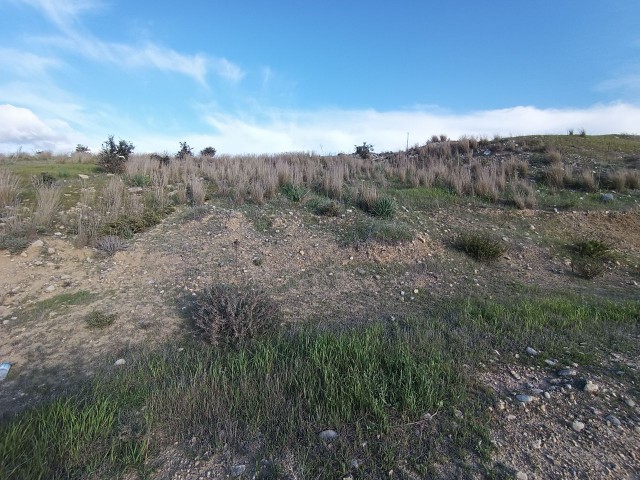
(630, 402)
(500, 405)
(119, 362)
(567, 372)
(37, 243)
(613, 420)
(83, 177)
(536, 444)
(524, 398)
(551, 362)
(531, 351)
(547, 395)
(577, 426)
(458, 414)
(590, 387)
(5, 322)
(50, 288)
(511, 417)
(51, 251)
(606, 197)
(328, 435)
(238, 470)
(522, 476)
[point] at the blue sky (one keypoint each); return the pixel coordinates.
(272, 76)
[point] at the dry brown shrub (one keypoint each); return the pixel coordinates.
(522, 194)
(9, 188)
(48, 197)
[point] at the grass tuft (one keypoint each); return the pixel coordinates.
(481, 247)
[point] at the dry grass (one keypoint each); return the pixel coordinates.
(47, 203)
(522, 194)
(9, 188)
(554, 156)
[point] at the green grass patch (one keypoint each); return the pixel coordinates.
(100, 319)
(81, 297)
(424, 198)
(57, 170)
(372, 385)
(382, 231)
(569, 328)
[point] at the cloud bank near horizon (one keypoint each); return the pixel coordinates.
(322, 131)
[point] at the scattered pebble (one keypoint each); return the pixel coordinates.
(50, 288)
(531, 351)
(567, 372)
(577, 426)
(613, 420)
(590, 387)
(328, 435)
(238, 470)
(120, 361)
(524, 398)
(522, 476)
(630, 402)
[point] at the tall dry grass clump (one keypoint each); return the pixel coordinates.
(196, 191)
(554, 156)
(522, 194)
(555, 176)
(48, 197)
(113, 195)
(9, 188)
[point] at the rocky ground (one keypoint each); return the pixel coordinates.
(558, 421)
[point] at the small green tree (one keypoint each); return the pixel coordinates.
(365, 150)
(113, 156)
(185, 151)
(82, 148)
(208, 152)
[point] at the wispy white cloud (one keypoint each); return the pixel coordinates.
(26, 64)
(66, 16)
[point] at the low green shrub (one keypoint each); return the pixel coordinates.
(100, 319)
(328, 208)
(481, 247)
(295, 193)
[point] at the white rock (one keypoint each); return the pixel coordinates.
(120, 361)
(630, 402)
(590, 387)
(37, 243)
(51, 251)
(531, 351)
(522, 476)
(328, 435)
(50, 288)
(577, 426)
(83, 177)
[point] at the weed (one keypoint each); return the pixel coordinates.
(522, 194)
(389, 232)
(14, 243)
(589, 257)
(100, 319)
(481, 247)
(328, 208)
(231, 314)
(295, 193)
(139, 180)
(48, 196)
(383, 207)
(111, 244)
(9, 187)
